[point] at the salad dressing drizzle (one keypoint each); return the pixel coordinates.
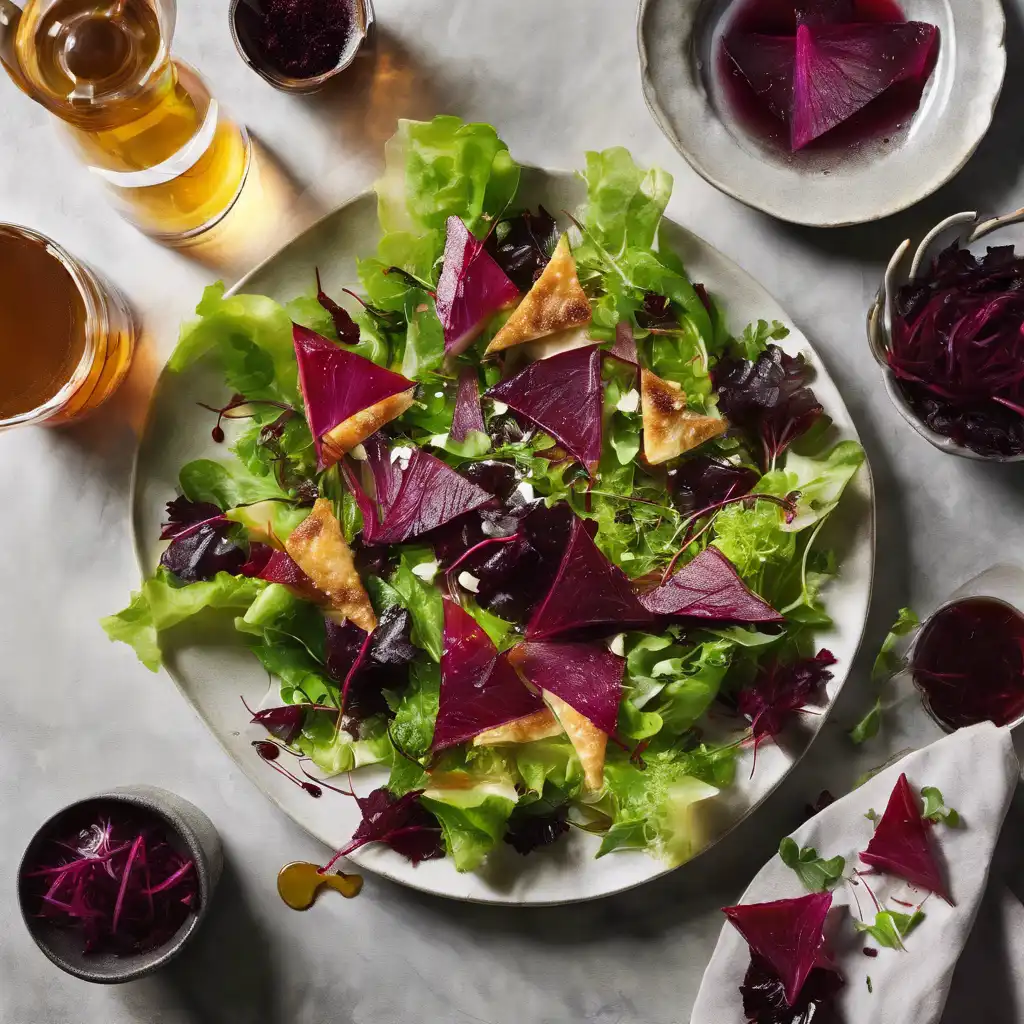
(300, 882)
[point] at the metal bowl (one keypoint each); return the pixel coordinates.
(363, 30)
(196, 835)
(965, 229)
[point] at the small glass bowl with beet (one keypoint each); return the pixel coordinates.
(300, 45)
(950, 338)
(113, 887)
(967, 659)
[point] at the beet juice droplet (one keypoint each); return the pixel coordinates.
(969, 663)
(271, 752)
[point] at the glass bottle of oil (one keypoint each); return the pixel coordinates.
(143, 122)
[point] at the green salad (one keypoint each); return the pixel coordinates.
(521, 522)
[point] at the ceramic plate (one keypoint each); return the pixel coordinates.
(213, 670)
(679, 58)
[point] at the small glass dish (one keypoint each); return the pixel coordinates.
(243, 15)
(188, 829)
(965, 229)
(1003, 584)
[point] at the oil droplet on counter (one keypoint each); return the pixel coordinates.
(300, 882)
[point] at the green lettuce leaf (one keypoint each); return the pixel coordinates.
(887, 662)
(816, 874)
(162, 604)
(372, 344)
(551, 762)
(412, 728)
(227, 484)
(277, 612)
(890, 928)
(473, 820)
(422, 599)
(335, 751)
(442, 168)
(935, 808)
(250, 339)
(756, 338)
(867, 728)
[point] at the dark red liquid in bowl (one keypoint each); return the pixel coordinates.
(969, 663)
(885, 115)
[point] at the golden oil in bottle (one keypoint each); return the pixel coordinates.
(142, 122)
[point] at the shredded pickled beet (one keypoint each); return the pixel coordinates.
(114, 874)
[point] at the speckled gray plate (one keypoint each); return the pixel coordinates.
(679, 44)
(213, 670)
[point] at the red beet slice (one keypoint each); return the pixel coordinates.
(480, 690)
(471, 288)
(468, 415)
(588, 591)
(624, 347)
(267, 563)
(336, 383)
(412, 501)
(840, 69)
(562, 395)
(709, 588)
(900, 845)
(767, 63)
(825, 12)
(787, 933)
(588, 677)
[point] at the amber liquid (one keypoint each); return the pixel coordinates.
(56, 331)
(141, 121)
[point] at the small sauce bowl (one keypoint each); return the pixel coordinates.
(965, 229)
(243, 17)
(187, 829)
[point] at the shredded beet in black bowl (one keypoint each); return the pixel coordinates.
(114, 886)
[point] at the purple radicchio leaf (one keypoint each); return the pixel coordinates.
(200, 546)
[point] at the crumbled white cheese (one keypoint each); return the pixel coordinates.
(617, 644)
(439, 394)
(439, 440)
(500, 408)
(402, 454)
(629, 402)
(489, 529)
(672, 472)
(426, 571)
(469, 582)
(525, 491)
(358, 453)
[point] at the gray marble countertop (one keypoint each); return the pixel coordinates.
(79, 714)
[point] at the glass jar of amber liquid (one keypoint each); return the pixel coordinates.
(144, 123)
(66, 337)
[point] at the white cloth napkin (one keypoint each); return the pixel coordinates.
(976, 769)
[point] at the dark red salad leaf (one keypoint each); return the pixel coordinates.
(562, 395)
(429, 495)
(588, 591)
(200, 547)
(402, 823)
(267, 563)
(701, 481)
(769, 398)
(708, 587)
(764, 995)
(588, 677)
(479, 688)
(347, 328)
(536, 825)
(522, 245)
(780, 690)
(788, 934)
(624, 348)
(284, 723)
(840, 69)
(471, 289)
(366, 666)
(112, 874)
(468, 415)
(958, 350)
(900, 845)
(767, 63)
(336, 384)
(515, 576)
